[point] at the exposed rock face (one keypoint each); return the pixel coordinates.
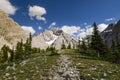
(66, 38)
(40, 40)
(53, 37)
(111, 33)
(10, 31)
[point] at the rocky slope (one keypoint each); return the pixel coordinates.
(10, 31)
(54, 37)
(111, 33)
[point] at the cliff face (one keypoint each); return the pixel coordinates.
(10, 31)
(111, 33)
(54, 37)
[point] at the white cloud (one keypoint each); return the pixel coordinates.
(6, 6)
(52, 25)
(102, 27)
(81, 35)
(88, 30)
(39, 27)
(28, 29)
(110, 19)
(37, 12)
(71, 29)
(85, 31)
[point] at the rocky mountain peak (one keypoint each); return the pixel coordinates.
(111, 32)
(54, 37)
(56, 31)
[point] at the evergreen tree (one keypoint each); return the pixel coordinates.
(69, 46)
(83, 46)
(63, 45)
(12, 55)
(97, 43)
(116, 51)
(28, 46)
(53, 51)
(22, 48)
(0, 57)
(19, 51)
(88, 41)
(78, 50)
(48, 48)
(4, 53)
(79, 45)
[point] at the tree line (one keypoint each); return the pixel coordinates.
(93, 46)
(20, 52)
(96, 47)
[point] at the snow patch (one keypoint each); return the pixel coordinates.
(108, 31)
(52, 41)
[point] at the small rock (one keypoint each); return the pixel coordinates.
(7, 74)
(21, 71)
(105, 74)
(27, 79)
(93, 69)
(79, 63)
(15, 78)
(102, 64)
(7, 67)
(102, 79)
(110, 72)
(89, 74)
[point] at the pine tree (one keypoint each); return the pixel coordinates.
(63, 45)
(79, 45)
(0, 57)
(22, 48)
(28, 46)
(97, 43)
(69, 46)
(53, 51)
(116, 51)
(88, 41)
(30, 43)
(19, 52)
(12, 55)
(48, 48)
(83, 46)
(4, 53)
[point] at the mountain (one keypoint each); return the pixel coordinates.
(10, 31)
(54, 37)
(111, 33)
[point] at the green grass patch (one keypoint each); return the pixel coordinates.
(95, 69)
(36, 66)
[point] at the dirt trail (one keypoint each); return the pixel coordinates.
(65, 71)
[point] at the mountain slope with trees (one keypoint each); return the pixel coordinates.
(10, 31)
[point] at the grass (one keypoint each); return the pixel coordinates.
(39, 66)
(95, 69)
(35, 67)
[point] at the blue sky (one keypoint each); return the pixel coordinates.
(77, 13)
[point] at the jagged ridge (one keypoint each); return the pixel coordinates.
(54, 37)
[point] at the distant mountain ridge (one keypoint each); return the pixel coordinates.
(11, 32)
(53, 37)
